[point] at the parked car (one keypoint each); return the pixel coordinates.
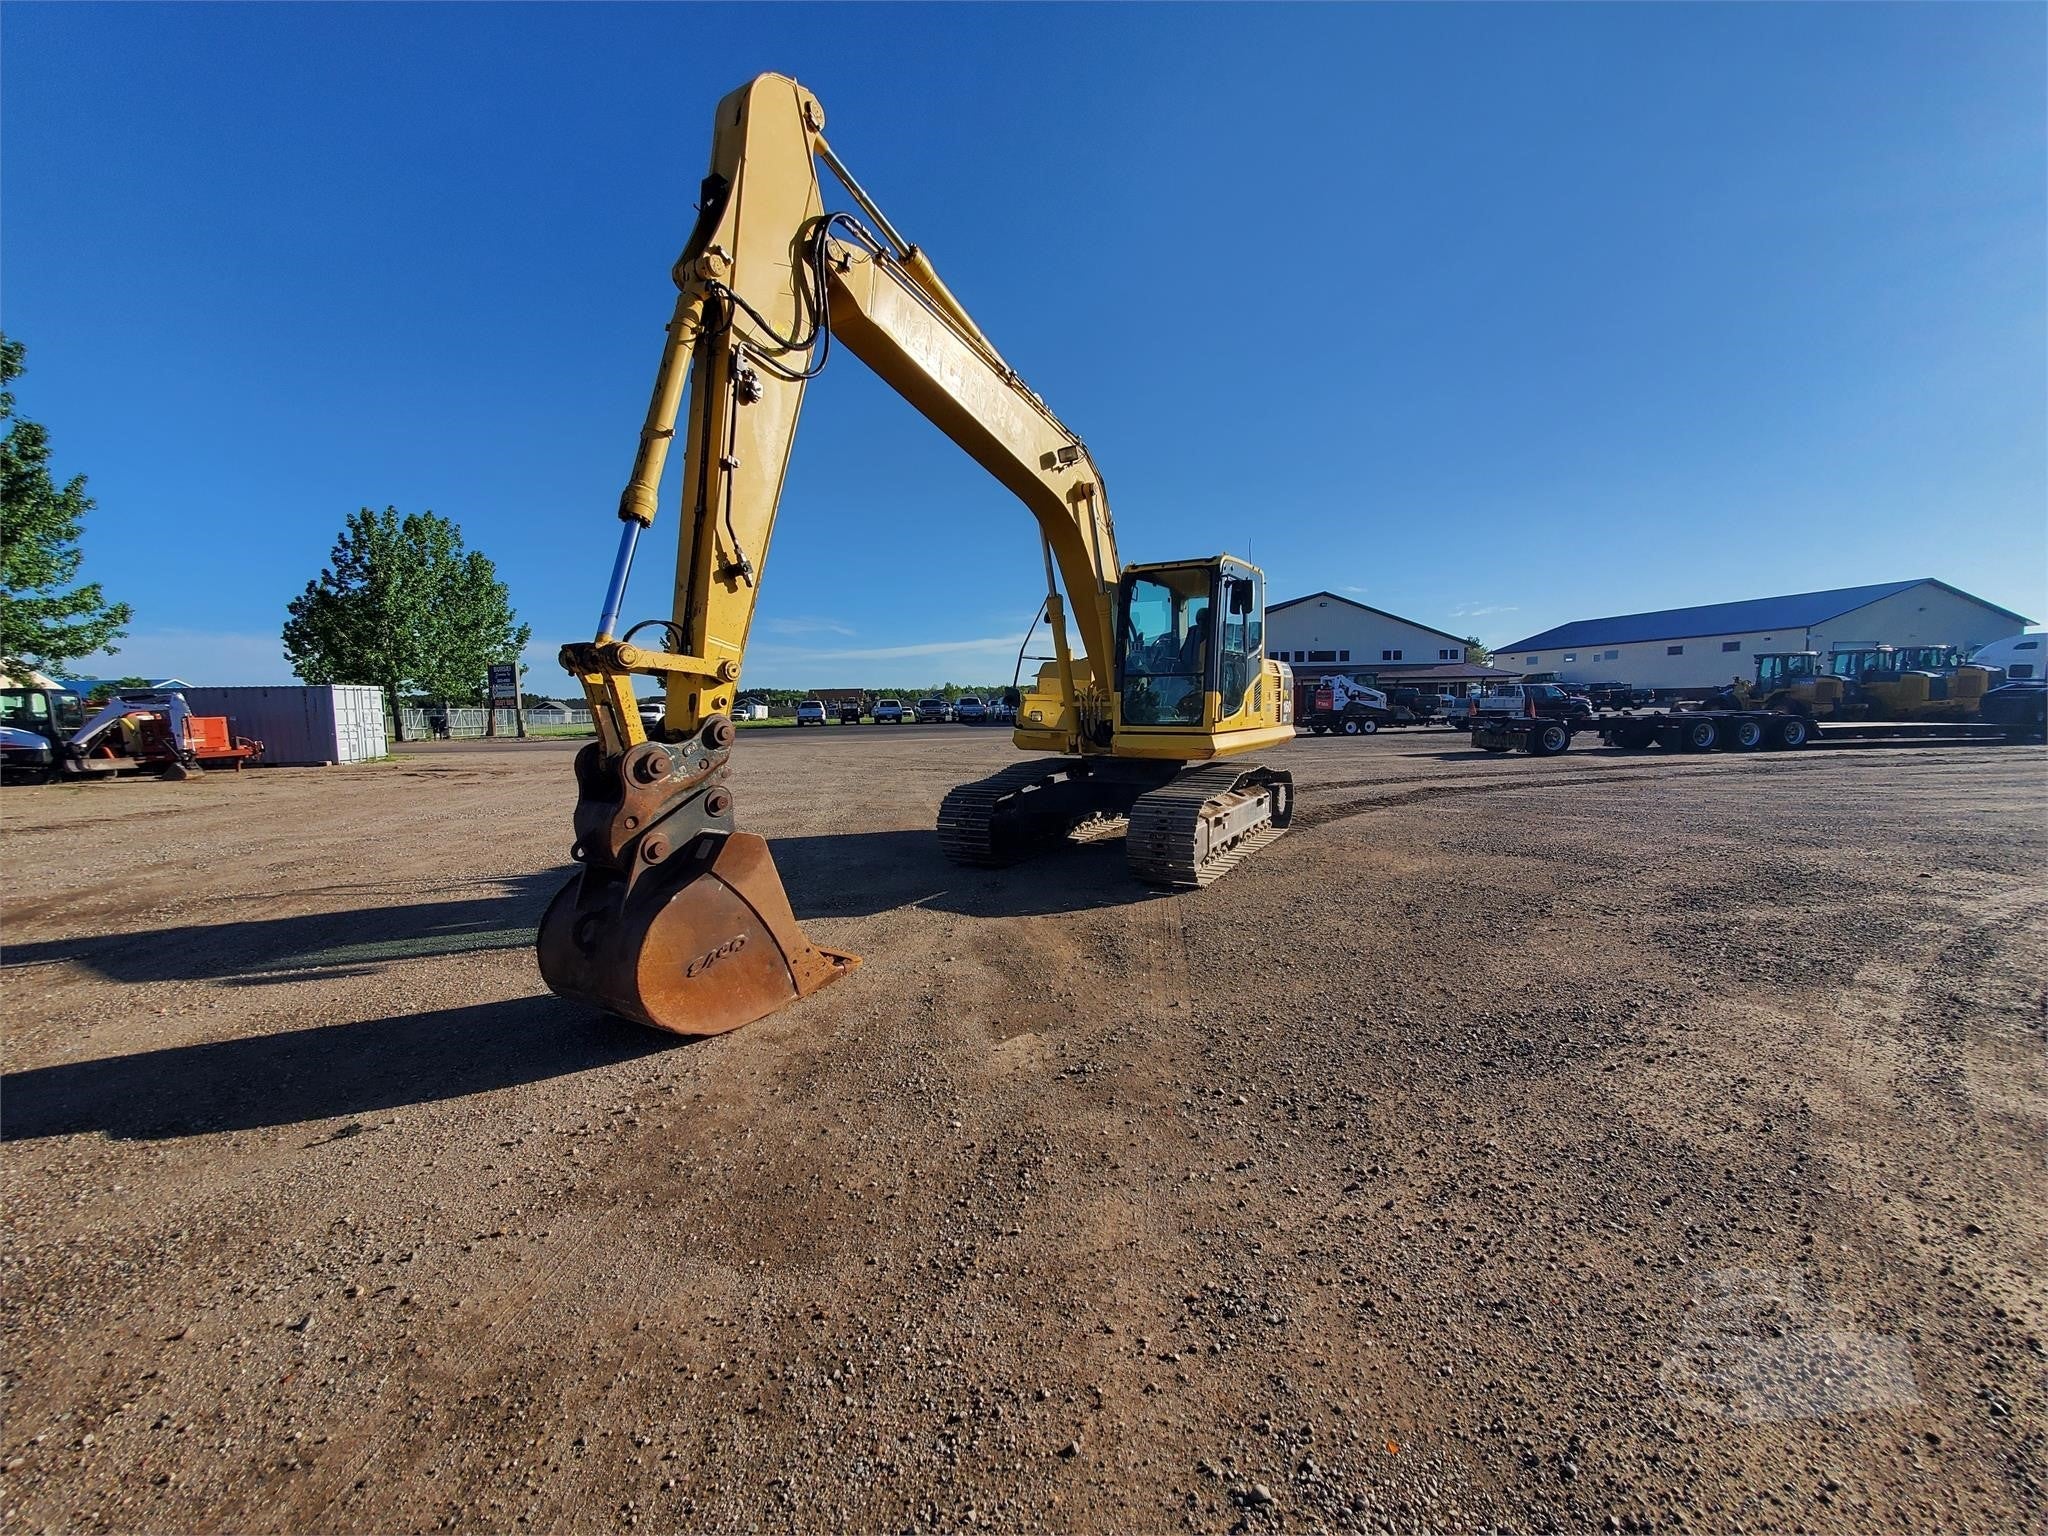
(933, 712)
(1002, 712)
(1609, 695)
(811, 712)
(1546, 700)
(652, 713)
(893, 712)
(970, 710)
(849, 711)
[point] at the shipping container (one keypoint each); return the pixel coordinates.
(341, 723)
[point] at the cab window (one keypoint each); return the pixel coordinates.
(23, 708)
(1164, 648)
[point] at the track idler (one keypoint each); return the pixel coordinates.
(675, 920)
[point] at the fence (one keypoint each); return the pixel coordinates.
(423, 724)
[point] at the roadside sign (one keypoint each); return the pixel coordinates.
(503, 687)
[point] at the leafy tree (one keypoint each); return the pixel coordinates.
(107, 690)
(44, 621)
(405, 607)
(1477, 654)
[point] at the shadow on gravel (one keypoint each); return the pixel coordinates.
(318, 1074)
(857, 874)
(261, 951)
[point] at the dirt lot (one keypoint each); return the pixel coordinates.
(1595, 1143)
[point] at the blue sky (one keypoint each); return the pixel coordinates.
(1492, 317)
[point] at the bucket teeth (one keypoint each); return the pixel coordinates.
(698, 946)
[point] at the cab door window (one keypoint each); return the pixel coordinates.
(1243, 646)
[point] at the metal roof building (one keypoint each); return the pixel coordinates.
(1707, 645)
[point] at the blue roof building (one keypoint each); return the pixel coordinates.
(82, 686)
(1707, 645)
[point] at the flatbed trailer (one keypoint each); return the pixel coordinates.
(1727, 730)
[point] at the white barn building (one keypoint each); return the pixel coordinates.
(1324, 633)
(1707, 646)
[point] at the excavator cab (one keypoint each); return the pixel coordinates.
(1190, 645)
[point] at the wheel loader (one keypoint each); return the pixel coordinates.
(1787, 682)
(1159, 690)
(1916, 682)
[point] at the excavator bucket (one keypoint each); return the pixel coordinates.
(700, 945)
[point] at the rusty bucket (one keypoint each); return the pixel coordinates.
(700, 945)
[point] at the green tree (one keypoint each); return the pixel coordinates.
(107, 690)
(1477, 654)
(44, 620)
(405, 607)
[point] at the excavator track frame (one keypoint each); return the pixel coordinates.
(1194, 831)
(1188, 826)
(1030, 807)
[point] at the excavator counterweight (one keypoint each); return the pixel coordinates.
(676, 918)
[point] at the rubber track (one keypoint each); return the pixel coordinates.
(967, 814)
(1166, 825)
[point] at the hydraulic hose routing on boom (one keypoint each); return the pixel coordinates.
(678, 919)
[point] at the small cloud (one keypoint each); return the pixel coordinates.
(1357, 589)
(806, 625)
(1481, 610)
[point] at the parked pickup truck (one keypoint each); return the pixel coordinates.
(933, 712)
(811, 712)
(1610, 695)
(893, 712)
(970, 710)
(1544, 700)
(849, 711)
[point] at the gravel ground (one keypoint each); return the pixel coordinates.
(1637, 1143)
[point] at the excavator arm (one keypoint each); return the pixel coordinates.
(765, 285)
(676, 918)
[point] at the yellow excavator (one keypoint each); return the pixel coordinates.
(676, 918)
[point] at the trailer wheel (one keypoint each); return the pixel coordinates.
(1743, 735)
(1368, 725)
(1791, 732)
(1698, 736)
(1548, 740)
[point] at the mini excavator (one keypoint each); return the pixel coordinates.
(676, 918)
